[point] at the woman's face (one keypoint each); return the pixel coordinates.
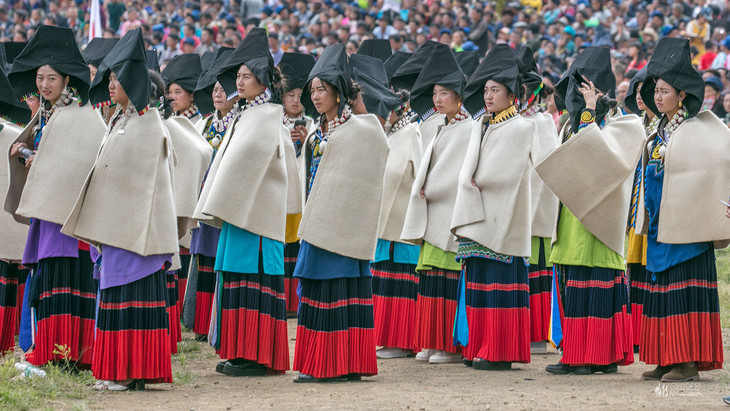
(666, 97)
(497, 97)
(116, 92)
(220, 99)
(247, 84)
(323, 95)
(358, 105)
(50, 83)
(446, 100)
(180, 100)
(726, 103)
(639, 101)
(293, 102)
(92, 71)
(33, 103)
(350, 48)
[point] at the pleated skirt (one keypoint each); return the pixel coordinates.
(436, 309)
(8, 305)
(395, 291)
(252, 319)
(132, 332)
(681, 316)
(639, 282)
(182, 278)
(291, 251)
(172, 310)
(204, 293)
(63, 293)
(497, 310)
(597, 326)
(23, 273)
(335, 333)
(540, 279)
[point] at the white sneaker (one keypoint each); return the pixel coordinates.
(443, 357)
(387, 353)
(538, 347)
(425, 354)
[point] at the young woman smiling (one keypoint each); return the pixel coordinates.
(439, 88)
(43, 189)
(679, 212)
(492, 219)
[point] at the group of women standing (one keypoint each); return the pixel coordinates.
(424, 211)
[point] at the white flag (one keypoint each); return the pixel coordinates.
(95, 20)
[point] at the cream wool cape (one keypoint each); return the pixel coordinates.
(696, 178)
(544, 203)
(429, 219)
(253, 182)
(496, 213)
(400, 173)
(430, 127)
(592, 174)
(193, 155)
(128, 198)
(68, 148)
(342, 212)
(14, 234)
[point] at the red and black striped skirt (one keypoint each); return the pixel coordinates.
(597, 325)
(132, 337)
(8, 305)
(335, 333)
(395, 290)
(541, 276)
(436, 309)
(253, 319)
(497, 310)
(639, 282)
(204, 294)
(63, 293)
(682, 316)
(172, 311)
(182, 278)
(291, 251)
(23, 273)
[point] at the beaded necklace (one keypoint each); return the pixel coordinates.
(660, 148)
(190, 112)
(47, 109)
(402, 122)
(651, 125)
(534, 109)
(262, 98)
(218, 127)
(289, 121)
(461, 115)
(319, 143)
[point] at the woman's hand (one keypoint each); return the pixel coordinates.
(590, 94)
(29, 161)
(298, 134)
(15, 149)
(727, 212)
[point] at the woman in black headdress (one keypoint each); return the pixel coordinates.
(13, 116)
(492, 219)
(296, 68)
(685, 173)
(344, 164)
(251, 187)
(181, 76)
(94, 53)
(211, 97)
(636, 249)
(44, 185)
(438, 90)
(588, 247)
(544, 203)
(395, 281)
(126, 210)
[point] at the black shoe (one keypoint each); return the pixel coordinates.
(559, 369)
(137, 385)
(605, 369)
(583, 370)
(468, 363)
(727, 400)
(248, 369)
(220, 367)
(303, 378)
(484, 365)
(636, 349)
(352, 377)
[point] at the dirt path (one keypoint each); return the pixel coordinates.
(408, 384)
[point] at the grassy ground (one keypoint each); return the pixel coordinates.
(723, 285)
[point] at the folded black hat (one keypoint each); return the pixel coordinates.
(128, 62)
(440, 69)
(13, 49)
(468, 61)
(203, 94)
(630, 99)
(376, 96)
(672, 63)
(97, 49)
(395, 61)
(529, 75)
(152, 60)
(406, 75)
(377, 48)
(56, 47)
(500, 65)
(296, 68)
(371, 66)
(183, 70)
(331, 67)
(254, 53)
(10, 108)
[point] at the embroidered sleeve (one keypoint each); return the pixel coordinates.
(587, 117)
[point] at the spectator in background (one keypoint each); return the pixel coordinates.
(709, 56)
(189, 33)
(721, 59)
(207, 41)
(636, 56)
(172, 49)
(132, 22)
(698, 31)
(274, 49)
(188, 46)
(621, 90)
(713, 88)
(384, 29)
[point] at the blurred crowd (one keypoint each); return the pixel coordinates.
(556, 30)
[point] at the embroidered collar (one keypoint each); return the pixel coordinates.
(262, 98)
(460, 116)
(504, 115)
(533, 109)
(190, 112)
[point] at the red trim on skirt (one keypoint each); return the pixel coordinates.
(203, 309)
(8, 316)
(61, 331)
(434, 323)
(539, 306)
(395, 310)
(255, 336)
(290, 290)
(19, 306)
(174, 331)
(336, 353)
(117, 356)
(693, 337)
(596, 341)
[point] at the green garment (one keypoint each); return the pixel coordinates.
(535, 250)
(433, 257)
(577, 246)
